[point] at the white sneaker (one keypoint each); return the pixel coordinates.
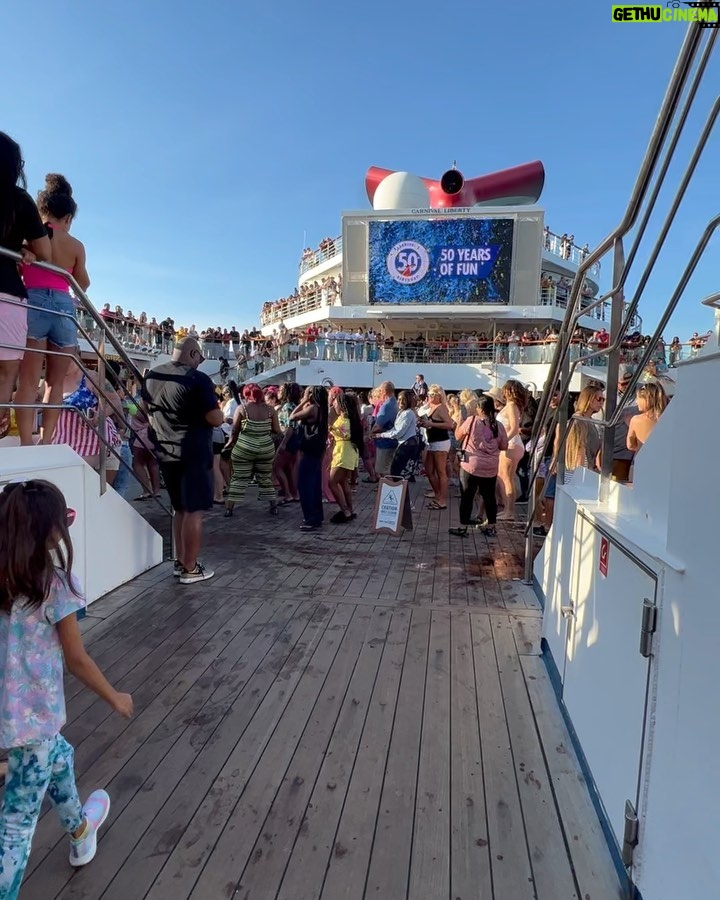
(178, 568)
(199, 573)
(95, 811)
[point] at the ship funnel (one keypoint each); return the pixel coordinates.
(452, 181)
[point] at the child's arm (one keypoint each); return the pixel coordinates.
(81, 665)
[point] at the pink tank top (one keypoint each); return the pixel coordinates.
(41, 279)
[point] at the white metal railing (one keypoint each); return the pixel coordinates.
(104, 339)
(668, 128)
(565, 247)
(288, 307)
(264, 356)
(134, 337)
(328, 248)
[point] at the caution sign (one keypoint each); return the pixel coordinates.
(392, 506)
(604, 555)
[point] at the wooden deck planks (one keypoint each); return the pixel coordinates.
(276, 838)
(266, 741)
(316, 839)
(552, 870)
(511, 871)
(349, 861)
(389, 869)
(591, 860)
(470, 875)
(260, 701)
(282, 764)
(430, 863)
(160, 744)
(335, 716)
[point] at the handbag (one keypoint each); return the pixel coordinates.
(461, 453)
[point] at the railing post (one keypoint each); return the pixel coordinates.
(613, 366)
(102, 468)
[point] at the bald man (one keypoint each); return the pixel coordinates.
(183, 410)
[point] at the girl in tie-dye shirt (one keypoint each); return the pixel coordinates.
(38, 625)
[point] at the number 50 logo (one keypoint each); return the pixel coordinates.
(408, 262)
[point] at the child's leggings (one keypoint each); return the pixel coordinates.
(33, 771)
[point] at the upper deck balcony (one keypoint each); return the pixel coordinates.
(288, 308)
(325, 256)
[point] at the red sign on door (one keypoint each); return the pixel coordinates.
(604, 553)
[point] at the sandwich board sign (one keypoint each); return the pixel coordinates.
(392, 506)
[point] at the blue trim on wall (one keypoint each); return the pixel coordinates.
(615, 852)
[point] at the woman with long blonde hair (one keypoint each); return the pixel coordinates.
(469, 403)
(651, 401)
(439, 425)
(583, 444)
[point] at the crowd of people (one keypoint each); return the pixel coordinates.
(308, 447)
(326, 249)
(564, 245)
(326, 292)
(293, 446)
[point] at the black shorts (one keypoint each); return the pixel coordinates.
(189, 484)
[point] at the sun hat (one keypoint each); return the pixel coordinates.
(495, 393)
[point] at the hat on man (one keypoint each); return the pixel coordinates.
(495, 393)
(625, 373)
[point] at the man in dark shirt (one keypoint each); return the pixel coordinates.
(183, 410)
(622, 457)
(420, 389)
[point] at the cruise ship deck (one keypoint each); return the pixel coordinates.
(340, 715)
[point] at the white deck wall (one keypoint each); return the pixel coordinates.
(112, 543)
(451, 376)
(662, 540)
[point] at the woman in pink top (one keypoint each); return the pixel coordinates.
(49, 293)
(481, 438)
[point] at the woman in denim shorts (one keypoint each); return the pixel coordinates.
(51, 309)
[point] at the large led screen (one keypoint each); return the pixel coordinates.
(440, 260)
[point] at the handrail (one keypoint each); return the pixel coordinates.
(86, 303)
(555, 244)
(639, 190)
(100, 425)
(99, 350)
(664, 231)
(312, 258)
(631, 308)
(101, 438)
(646, 358)
(621, 315)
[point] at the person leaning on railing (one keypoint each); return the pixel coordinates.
(21, 230)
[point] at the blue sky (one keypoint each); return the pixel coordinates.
(204, 140)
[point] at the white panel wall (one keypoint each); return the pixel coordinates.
(668, 520)
(112, 543)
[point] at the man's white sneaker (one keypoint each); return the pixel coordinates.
(199, 573)
(95, 811)
(178, 568)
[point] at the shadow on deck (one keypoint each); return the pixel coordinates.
(334, 715)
